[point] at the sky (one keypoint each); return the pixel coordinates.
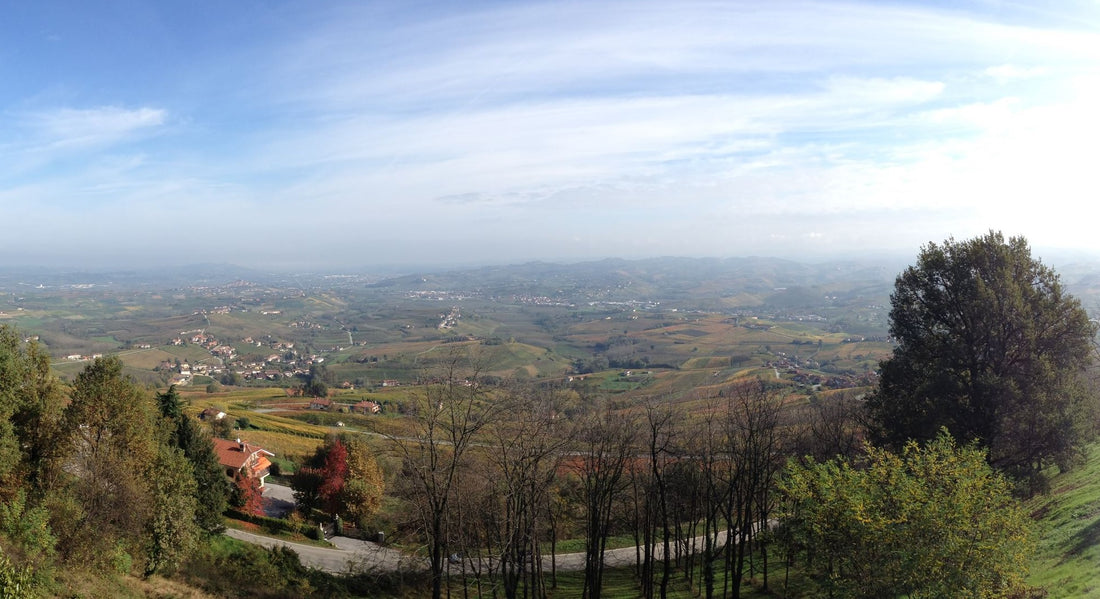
(336, 135)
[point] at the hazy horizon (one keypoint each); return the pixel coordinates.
(299, 136)
(898, 261)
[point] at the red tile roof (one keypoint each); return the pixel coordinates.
(235, 454)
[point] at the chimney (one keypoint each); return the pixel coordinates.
(240, 443)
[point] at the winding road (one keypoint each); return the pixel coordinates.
(348, 555)
(354, 556)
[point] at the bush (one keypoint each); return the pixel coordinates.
(228, 568)
(121, 560)
(932, 521)
(274, 525)
(15, 582)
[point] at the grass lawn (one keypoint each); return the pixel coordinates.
(1068, 531)
(577, 545)
(281, 535)
(620, 583)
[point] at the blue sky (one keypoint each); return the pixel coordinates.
(349, 134)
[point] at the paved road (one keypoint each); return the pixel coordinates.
(352, 555)
(348, 555)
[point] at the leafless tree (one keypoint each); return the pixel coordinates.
(607, 443)
(660, 435)
(451, 413)
(834, 423)
(524, 452)
(755, 451)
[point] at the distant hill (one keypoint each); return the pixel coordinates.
(661, 279)
(703, 283)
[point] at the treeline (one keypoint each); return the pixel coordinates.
(99, 476)
(496, 477)
(102, 480)
(620, 351)
(713, 498)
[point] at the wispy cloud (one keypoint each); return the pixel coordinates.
(707, 126)
(83, 127)
(1005, 73)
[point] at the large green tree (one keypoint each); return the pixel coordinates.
(109, 415)
(112, 450)
(172, 530)
(991, 347)
(31, 404)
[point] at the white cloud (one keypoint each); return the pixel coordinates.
(997, 114)
(870, 92)
(1008, 72)
(689, 125)
(532, 149)
(82, 127)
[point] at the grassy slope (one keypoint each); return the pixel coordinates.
(1068, 532)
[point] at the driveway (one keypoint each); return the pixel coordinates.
(348, 555)
(278, 500)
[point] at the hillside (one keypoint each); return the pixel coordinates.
(1068, 529)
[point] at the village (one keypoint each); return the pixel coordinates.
(284, 361)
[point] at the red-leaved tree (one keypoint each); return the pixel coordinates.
(341, 478)
(248, 496)
(334, 474)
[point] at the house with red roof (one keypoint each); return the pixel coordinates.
(240, 456)
(366, 407)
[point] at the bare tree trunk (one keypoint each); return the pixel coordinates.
(662, 421)
(608, 444)
(524, 457)
(448, 420)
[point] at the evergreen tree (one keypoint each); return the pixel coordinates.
(212, 489)
(10, 400)
(211, 485)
